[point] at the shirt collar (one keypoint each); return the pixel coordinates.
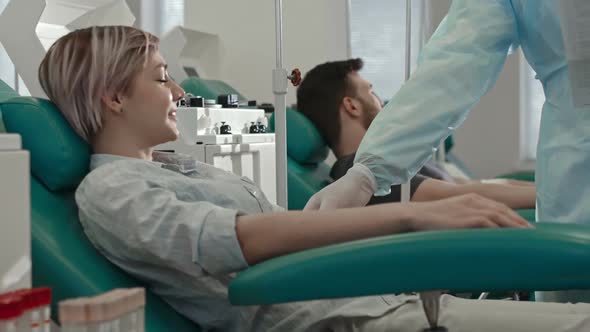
(97, 160)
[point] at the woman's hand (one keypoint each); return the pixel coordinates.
(466, 211)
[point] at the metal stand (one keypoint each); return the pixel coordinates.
(406, 189)
(279, 84)
(436, 329)
(431, 305)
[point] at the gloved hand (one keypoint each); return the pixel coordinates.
(354, 189)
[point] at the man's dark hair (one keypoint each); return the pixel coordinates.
(321, 92)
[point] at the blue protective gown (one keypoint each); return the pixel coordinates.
(460, 63)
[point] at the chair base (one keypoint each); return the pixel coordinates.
(436, 329)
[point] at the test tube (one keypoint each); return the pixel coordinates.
(96, 315)
(40, 301)
(127, 307)
(120, 310)
(34, 311)
(10, 310)
(138, 308)
(24, 321)
(127, 320)
(45, 308)
(118, 303)
(72, 315)
(109, 306)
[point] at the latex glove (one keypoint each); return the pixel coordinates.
(354, 189)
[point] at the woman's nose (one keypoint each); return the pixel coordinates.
(177, 90)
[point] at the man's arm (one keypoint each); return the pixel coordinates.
(509, 181)
(514, 196)
(496, 181)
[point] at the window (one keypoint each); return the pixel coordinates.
(377, 35)
(531, 105)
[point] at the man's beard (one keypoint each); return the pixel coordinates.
(369, 114)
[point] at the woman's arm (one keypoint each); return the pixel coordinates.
(264, 236)
(514, 196)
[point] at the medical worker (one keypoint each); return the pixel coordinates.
(459, 65)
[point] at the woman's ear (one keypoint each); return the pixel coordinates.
(113, 103)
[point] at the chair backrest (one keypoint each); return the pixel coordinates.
(6, 92)
(306, 153)
(62, 256)
(208, 89)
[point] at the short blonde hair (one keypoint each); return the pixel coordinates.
(87, 64)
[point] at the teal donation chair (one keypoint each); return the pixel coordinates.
(6, 92)
(62, 256)
(307, 172)
(522, 176)
(208, 89)
(551, 257)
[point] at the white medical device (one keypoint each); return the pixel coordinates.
(204, 135)
(15, 211)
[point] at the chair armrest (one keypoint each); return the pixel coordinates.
(549, 257)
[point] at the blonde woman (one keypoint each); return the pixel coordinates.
(184, 227)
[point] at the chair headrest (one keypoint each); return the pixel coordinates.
(59, 157)
(305, 145)
(208, 89)
(6, 92)
(449, 144)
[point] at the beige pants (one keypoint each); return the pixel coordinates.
(459, 315)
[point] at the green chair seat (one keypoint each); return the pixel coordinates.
(522, 176)
(528, 214)
(552, 256)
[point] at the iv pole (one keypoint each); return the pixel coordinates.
(406, 190)
(279, 84)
